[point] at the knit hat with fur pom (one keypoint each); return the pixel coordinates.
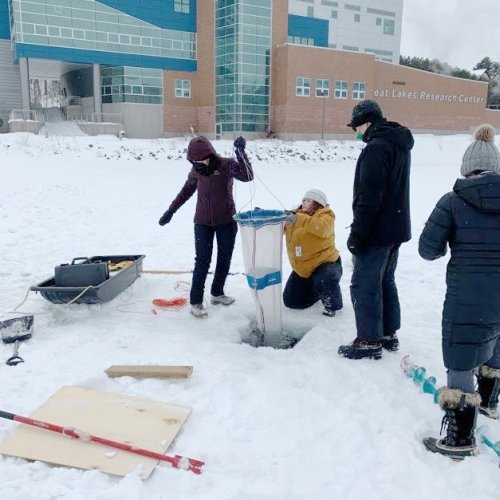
(482, 154)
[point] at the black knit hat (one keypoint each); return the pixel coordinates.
(364, 112)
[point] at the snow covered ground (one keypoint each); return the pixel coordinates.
(293, 424)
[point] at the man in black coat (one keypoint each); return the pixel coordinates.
(381, 210)
(468, 220)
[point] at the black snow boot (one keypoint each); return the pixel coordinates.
(390, 342)
(488, 386)
(359, 349)
(459, 420)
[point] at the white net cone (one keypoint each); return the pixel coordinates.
(262, 242)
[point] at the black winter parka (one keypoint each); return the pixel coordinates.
(381, 198)
(468, 219)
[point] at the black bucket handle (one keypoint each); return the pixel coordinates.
(85, 260)
(15, 359)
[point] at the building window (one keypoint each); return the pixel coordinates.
(322, 88)
(340, 89)
(310, 11)
(299, 40)
(181, 6)
(358, 90)
(357, 18)
(183, 88)
(388, 26)
(131, 84)
(379, 52)
(87, 25)
(303, 87)
(242, 65)
(334, 14)
(378, 21)
(388, 13)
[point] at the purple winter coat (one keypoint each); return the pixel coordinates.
(215, 203)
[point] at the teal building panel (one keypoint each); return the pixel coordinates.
(309, 27)
(160, 13)
(4, 20)
(108, 58)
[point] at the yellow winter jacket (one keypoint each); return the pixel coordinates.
(310, 242)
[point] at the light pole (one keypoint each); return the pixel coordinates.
(323, 94)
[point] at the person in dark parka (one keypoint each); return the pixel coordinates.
(212, 177)
(381, 223)
(468, 220)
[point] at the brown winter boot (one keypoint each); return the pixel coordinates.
(488, 386)
(359, 349)
(460, 419)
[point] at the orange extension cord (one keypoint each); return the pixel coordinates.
(176, 303)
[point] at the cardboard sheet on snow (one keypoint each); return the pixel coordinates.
(135, 421)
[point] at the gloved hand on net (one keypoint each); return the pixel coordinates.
(240, 144)
(166, 218)
(291, 217)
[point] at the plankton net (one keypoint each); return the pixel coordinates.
(262, 242)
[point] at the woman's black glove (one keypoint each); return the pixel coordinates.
(240, 143)
(166, 218)
(354, 243)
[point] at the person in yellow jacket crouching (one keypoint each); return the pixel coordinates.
(316, 264)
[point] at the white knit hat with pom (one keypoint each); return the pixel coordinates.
(482, 154)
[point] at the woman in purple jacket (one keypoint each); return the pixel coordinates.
(212, 176)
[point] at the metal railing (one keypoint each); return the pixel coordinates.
(96, 117)
(73, 101)
(33, 115)
(39, 115)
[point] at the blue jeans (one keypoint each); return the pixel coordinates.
(374, 294)
(323, 284)
(203, 243)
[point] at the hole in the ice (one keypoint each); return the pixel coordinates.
(288, 338)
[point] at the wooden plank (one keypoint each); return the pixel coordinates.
(168, 271)
(160, 271)
(149, 371)
(139, 422)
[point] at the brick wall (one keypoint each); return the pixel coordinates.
(197, 112)
(421, 100)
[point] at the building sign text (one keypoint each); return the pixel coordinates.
(423, 95)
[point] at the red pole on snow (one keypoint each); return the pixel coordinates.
(177, 461)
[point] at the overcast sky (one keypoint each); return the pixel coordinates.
(459, 32)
